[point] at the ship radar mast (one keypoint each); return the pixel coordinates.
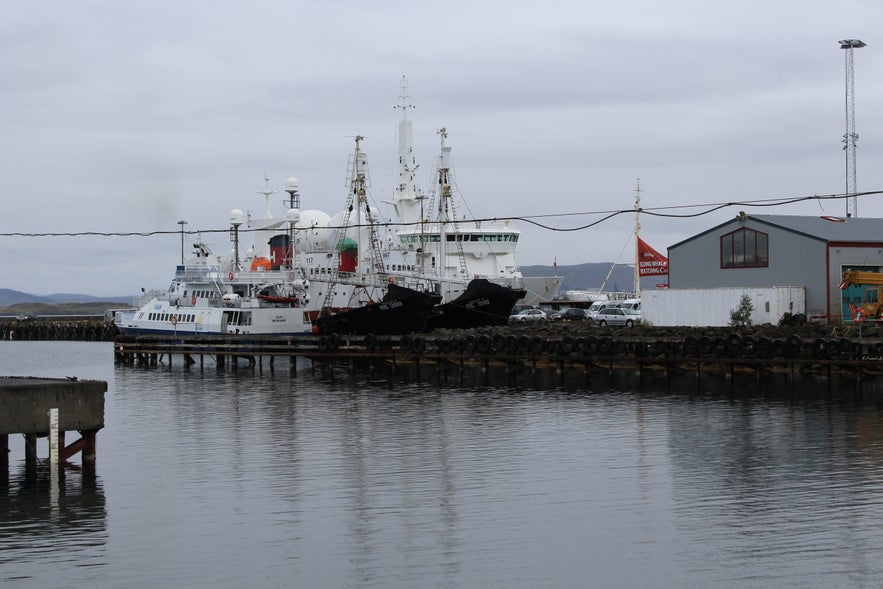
(267, 194)
(406, 199)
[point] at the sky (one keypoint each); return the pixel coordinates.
(131, 116)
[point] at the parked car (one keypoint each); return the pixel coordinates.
(527, 315)
(571, 314)
(597, 307)
(617, 316)
(521, 307)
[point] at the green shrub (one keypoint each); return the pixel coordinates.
(742, 315)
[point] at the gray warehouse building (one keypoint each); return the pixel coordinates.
(782, 250)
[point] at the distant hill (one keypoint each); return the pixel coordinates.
(14, 297)
(591, 276)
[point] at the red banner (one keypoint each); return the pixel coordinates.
(650, 261)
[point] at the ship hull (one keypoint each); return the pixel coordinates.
(482, 304)
(401, 311)
(159, 317)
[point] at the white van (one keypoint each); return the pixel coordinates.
(630, 304)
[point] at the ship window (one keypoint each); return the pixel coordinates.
(744, 248)
(475, 238)
(451, 237)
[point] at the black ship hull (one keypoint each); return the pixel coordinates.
(401, 311)
(483, 303)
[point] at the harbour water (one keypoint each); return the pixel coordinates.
(253, 478)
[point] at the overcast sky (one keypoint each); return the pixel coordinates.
(130, 116)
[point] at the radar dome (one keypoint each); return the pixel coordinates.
(314, 230)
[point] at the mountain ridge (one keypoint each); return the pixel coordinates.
(588, 276)
(592, 276)
(16, 297)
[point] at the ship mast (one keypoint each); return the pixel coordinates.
(405, 197)
(638, 238)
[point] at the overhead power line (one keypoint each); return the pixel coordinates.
(662, 211)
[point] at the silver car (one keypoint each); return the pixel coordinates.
(527, 315)
(618, 316)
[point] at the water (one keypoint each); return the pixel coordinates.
(259, 479)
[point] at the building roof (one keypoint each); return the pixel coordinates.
(825, 228)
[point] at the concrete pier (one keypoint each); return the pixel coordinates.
(25, 404)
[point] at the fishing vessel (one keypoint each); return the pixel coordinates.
(261, 293)
(363, 296)
(427, 246)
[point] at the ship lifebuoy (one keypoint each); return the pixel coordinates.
(230, 276)
(174, 320)
(858, 316)
(193, 300)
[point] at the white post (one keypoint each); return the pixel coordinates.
(53, 458)
(53, 436)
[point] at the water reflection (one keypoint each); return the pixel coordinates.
(528, 478)
(770, 483)
(53, 530)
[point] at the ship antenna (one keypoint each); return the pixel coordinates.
(638, 191)
(267, 194)
(404, 98)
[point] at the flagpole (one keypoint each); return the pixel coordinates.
(638, 238)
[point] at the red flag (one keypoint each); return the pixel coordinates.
(650, 261)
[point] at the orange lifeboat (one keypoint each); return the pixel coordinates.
(259, 264)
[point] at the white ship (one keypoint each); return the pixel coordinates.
(428, 244)
(261, 293)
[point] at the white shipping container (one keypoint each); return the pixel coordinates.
(711, 307)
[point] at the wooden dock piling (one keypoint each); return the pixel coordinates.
(619, 359)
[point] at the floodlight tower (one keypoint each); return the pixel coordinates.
(850, 137)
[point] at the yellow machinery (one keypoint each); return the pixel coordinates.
(873, 297)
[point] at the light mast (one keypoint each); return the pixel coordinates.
(850, 137)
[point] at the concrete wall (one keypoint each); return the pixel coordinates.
(26, 402)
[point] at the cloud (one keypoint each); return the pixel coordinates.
(132, 116)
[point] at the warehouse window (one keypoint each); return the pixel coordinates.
(745, 248)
